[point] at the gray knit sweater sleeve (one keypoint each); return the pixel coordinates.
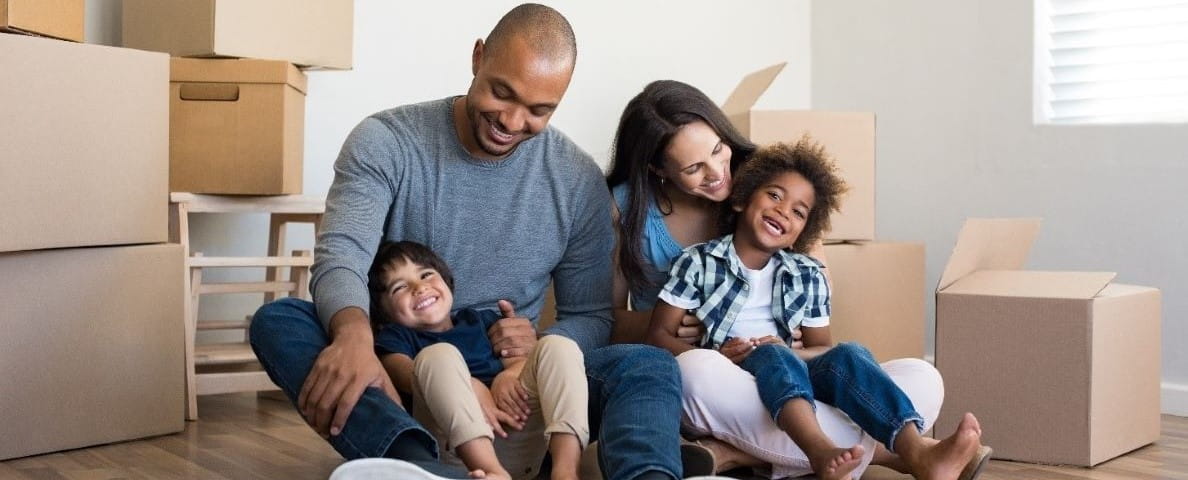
(356, 208)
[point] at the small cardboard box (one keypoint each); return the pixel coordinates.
(1060, 367)
(315, 33)
(51, 18)
(878, 297)
(848, 137)
(92, 346)
(82, 156)
(236, 126)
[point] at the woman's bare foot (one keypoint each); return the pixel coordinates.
(726, 456)
(481, 474)
(837, 463)
(945, 459)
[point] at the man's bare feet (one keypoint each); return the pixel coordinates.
(837, 463)
(944, 460)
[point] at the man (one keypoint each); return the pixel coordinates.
(511, 204)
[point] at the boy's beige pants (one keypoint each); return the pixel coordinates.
(555, 377)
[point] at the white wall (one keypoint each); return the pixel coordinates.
(951, 83)
(409, 52)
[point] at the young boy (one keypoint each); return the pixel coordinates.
(461, 391)
(751, 289)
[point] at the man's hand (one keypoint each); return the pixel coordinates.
(496, 418)
(343, 370)
(510, 395)
(691, 329)
(511, 336)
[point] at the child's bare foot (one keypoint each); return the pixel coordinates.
(945, 459)
(837, 463)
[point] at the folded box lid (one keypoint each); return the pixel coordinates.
(751, 88)
(236, 70)
(989, 244)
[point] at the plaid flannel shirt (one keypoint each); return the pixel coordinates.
(709, 279)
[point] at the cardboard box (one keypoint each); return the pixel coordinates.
(236, 126)
(83, 146)
(52, 18)
(1059, 367)
(878, 297)
(92, 346)
(316, 33)
(848, 137)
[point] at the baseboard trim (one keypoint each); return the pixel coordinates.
(1175, 399)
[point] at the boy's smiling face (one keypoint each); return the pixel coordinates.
(776, 213)
(417, 297)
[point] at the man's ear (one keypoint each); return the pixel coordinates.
(476, 57)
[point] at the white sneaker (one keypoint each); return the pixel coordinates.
(381, 469)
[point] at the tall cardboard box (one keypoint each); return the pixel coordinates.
(92, 346)
(83, 145)
(878, 297)
(1059, 367)
(51, 18)
(848, 137)
(236, 126)
(316, 33)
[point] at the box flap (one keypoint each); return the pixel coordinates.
(236, 71)
(989, 244)
(1031, 284)
(750, 89)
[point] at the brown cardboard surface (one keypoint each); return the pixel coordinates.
(92, 346)
(847, 136)
(878, 297)
(61, 19)
(84, 145)
(1059, 367)
(317, 34)
(236, 127)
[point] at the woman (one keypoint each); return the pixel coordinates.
(674, 156)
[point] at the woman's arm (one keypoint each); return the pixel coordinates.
(400, 368)
(666, 321)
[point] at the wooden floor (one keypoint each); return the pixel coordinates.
(242, 437)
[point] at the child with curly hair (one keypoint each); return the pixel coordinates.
(753, 287)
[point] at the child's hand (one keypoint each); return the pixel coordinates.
(496, 418)
(511, 396)
(737, 349)
(768, 340)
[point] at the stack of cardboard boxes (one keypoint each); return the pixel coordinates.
(237, 124)
(878, 287)
(91, 300)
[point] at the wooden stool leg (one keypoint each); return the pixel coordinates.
(276, 245)
(191, 314)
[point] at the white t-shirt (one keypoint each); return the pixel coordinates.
(755, 320)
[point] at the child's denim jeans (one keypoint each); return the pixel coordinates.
(847, 377)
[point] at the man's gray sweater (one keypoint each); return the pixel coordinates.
(505, 227)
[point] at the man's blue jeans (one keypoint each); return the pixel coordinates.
(847, 377)
(635, 403)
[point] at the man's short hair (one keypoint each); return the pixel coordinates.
(544, 28)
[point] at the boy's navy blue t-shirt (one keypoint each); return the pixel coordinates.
(469, 335)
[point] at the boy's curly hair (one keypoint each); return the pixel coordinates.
(809, 159)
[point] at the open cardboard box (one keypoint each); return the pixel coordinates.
(877, 294)
(848, 137)
(1059, 367)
